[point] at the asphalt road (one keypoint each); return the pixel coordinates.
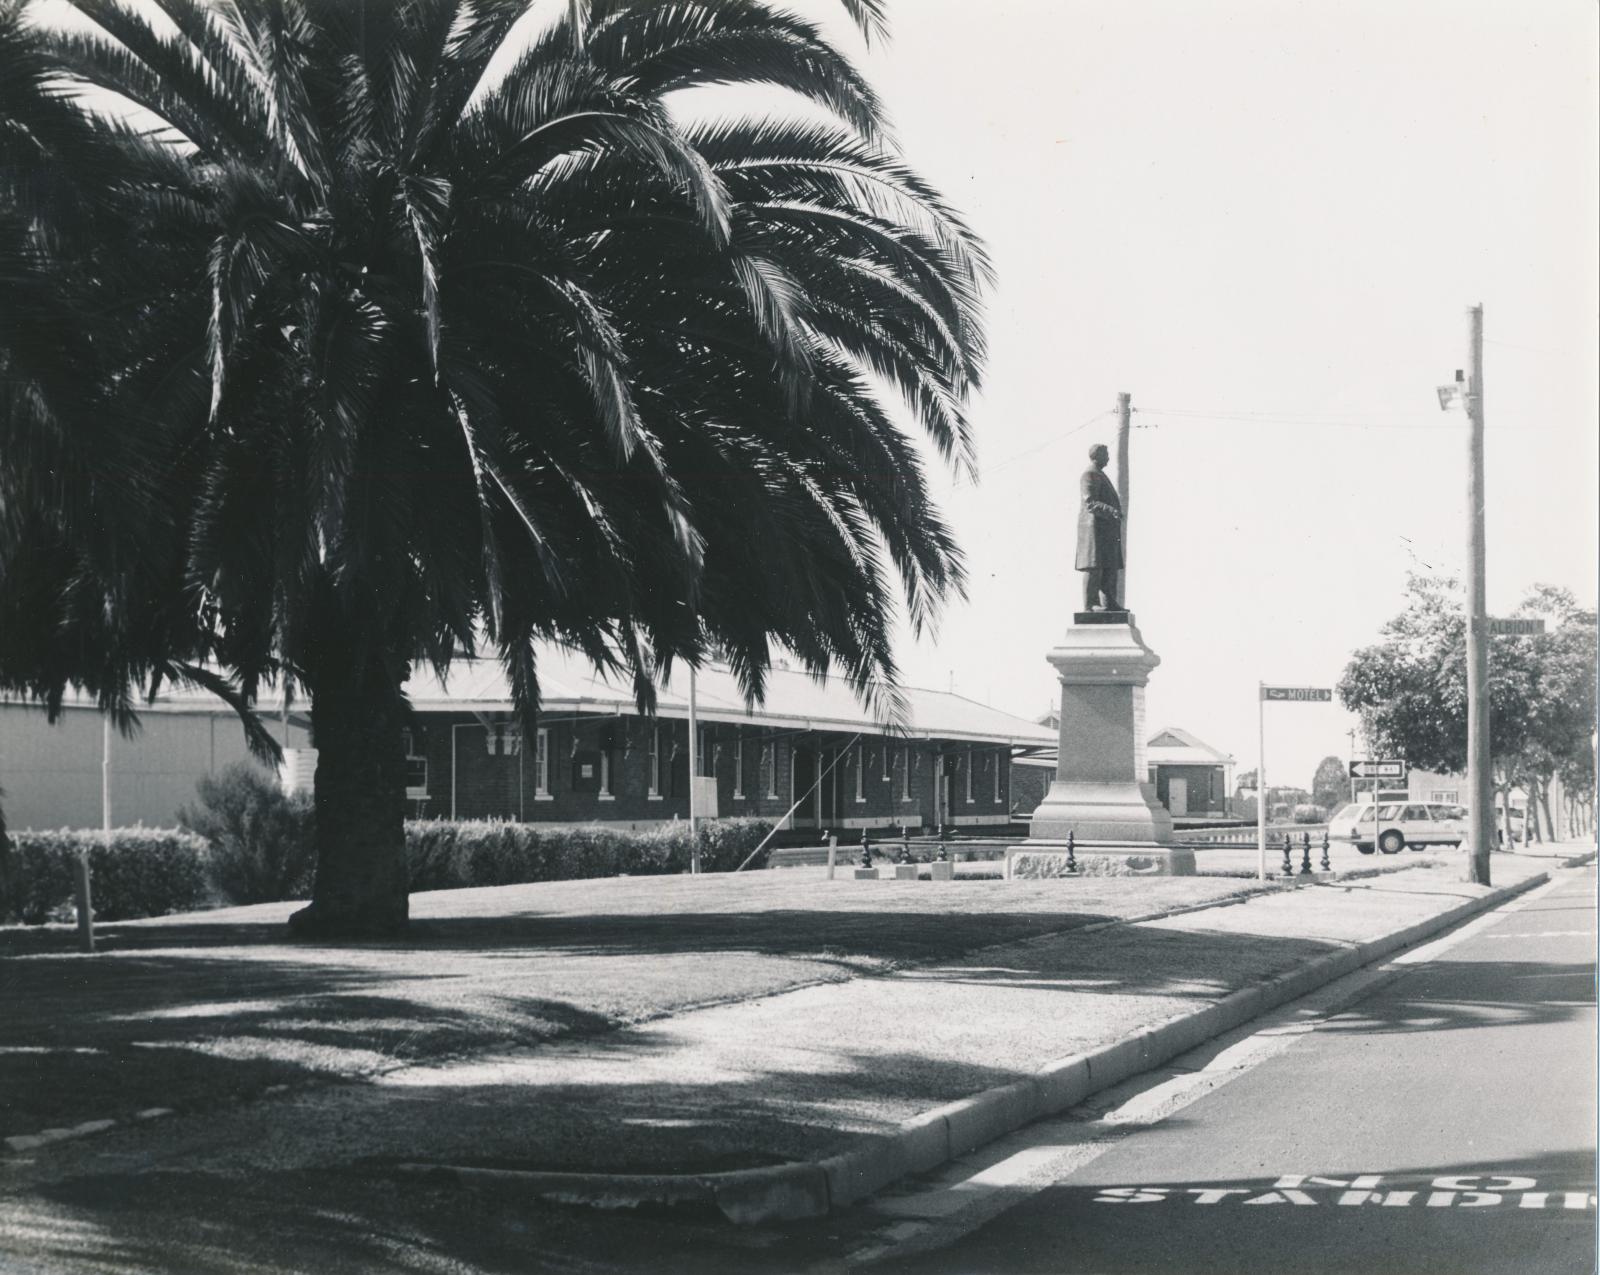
(1445, 1123)
(1465, 1086)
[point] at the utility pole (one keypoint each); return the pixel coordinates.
(694, 778)
(1261, 782)
(1479, 771)
(1124, 421)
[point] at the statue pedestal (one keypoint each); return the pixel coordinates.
(1100, 793)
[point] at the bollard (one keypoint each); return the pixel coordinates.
(1288, 863)
(1325, 865)
(1305, 854)
(833, 851)
(1072, 857)
(85, 902)
(904, 854)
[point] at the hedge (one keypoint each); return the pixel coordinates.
(145, 872)
(446, 855)
(261, 848)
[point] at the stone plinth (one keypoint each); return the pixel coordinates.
(1043, 860)
(942, 870)
(905, 872)
(1100, 793)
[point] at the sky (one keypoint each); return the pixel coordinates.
(1266, 221)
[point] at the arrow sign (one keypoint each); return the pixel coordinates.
(1515, 628)
(1377, 770)
(1298, 694)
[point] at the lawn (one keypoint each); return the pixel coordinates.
(210, 1007)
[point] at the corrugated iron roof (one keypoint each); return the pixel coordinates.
(568, 683)
(1188, 751)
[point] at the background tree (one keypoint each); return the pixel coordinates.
(1561, 701)
(1244, 794)
(407, 361)
(1410, 689)
(1330, 785)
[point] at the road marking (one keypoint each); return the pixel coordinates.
(1363, 1183)
(1544, 934)
(1473, 928)
(1451, 1192)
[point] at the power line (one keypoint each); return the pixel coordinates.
(1023, 455)
(1289, 420)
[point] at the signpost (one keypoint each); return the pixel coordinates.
(1377, 770)
(1275, 694)
(1515, 628)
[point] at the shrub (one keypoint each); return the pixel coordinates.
(145, 872)
(446, 855)
(263, 840)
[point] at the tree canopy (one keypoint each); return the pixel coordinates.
(1330, 785)
(1411, 692)
(339, 349)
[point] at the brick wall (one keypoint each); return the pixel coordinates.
(1029, 784)
(979, 802)
(504, 783)
(1204, 783)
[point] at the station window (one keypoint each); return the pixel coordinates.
(416, 768)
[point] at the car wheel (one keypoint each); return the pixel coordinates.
(1364, 846)
(1391, 842)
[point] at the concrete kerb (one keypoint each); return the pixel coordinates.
(794, 1191)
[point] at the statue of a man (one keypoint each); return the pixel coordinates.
(1100, 535)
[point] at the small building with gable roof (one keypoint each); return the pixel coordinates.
(1191, 777)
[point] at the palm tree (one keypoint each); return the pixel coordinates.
(90, 565)
(418, 358)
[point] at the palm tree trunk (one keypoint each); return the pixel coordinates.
(357, 716)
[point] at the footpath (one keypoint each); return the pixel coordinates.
(803, 1093)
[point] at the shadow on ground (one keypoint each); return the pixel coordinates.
(192, 1011)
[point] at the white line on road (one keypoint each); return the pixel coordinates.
(1544, 934)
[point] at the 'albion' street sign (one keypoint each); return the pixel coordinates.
(1377, 770)
(1515, 628)
(1298, 694)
